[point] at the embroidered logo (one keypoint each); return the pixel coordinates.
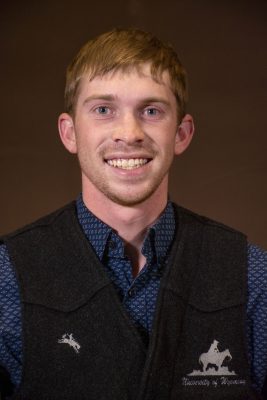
(213, 371)
(68, 339)
(212, 362)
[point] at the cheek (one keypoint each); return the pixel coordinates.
(168, 142)
(84, 138)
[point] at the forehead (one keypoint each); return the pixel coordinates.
(133, 80)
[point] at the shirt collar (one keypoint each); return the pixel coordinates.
(160, 236)
(96, 231)
(156, 244)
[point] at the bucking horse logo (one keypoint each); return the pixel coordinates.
(69, 339)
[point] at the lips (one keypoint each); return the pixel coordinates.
(127, 163)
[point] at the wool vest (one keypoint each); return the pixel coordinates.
(79, 343)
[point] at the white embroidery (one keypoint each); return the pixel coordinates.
(212, 361)
(68, 339)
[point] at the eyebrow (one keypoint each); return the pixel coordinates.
(156, 100)
(111, 97)
(106, 97)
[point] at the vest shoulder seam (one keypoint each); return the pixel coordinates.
(40, 222)
(206, 220)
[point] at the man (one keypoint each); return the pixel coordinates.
(122, 294)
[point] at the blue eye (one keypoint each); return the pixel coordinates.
(151, 111)
(102, 110)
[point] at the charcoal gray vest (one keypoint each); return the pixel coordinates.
(79, 342)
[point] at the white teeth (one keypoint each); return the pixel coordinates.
(127, 163)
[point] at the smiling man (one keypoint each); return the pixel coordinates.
(122, 294)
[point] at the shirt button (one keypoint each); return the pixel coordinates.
(131, 292)
(112, 245)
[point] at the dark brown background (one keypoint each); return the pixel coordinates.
(223, 46)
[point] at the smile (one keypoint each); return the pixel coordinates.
(127, 163)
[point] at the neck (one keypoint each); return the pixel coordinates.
(130, 222)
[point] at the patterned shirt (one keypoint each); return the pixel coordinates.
(138, 294)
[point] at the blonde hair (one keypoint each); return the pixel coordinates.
(124, 49)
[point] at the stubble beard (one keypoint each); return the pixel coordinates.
(129, 197)
(131, 194)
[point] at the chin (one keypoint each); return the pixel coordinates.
(129, 200)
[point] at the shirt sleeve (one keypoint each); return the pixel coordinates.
(10, 322)
(257, 314)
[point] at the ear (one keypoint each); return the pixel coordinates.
(184, 134)
(67, 132)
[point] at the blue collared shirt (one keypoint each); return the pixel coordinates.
(138, 294)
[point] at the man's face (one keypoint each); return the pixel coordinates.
(125, 133)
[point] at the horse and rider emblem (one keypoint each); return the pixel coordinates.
(213, 362)
(69, 339)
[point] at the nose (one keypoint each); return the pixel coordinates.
(128, 130)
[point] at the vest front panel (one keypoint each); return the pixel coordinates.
(200, 351)
(80, 344)
(84, 353)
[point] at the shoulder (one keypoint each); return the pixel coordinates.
(257, 256)
(257, 312)
(257, 282)
(3, 253)
(257, 278)
(8, 284)
(257, 272)
(211, 226)
(5, 266)
(40, 224)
